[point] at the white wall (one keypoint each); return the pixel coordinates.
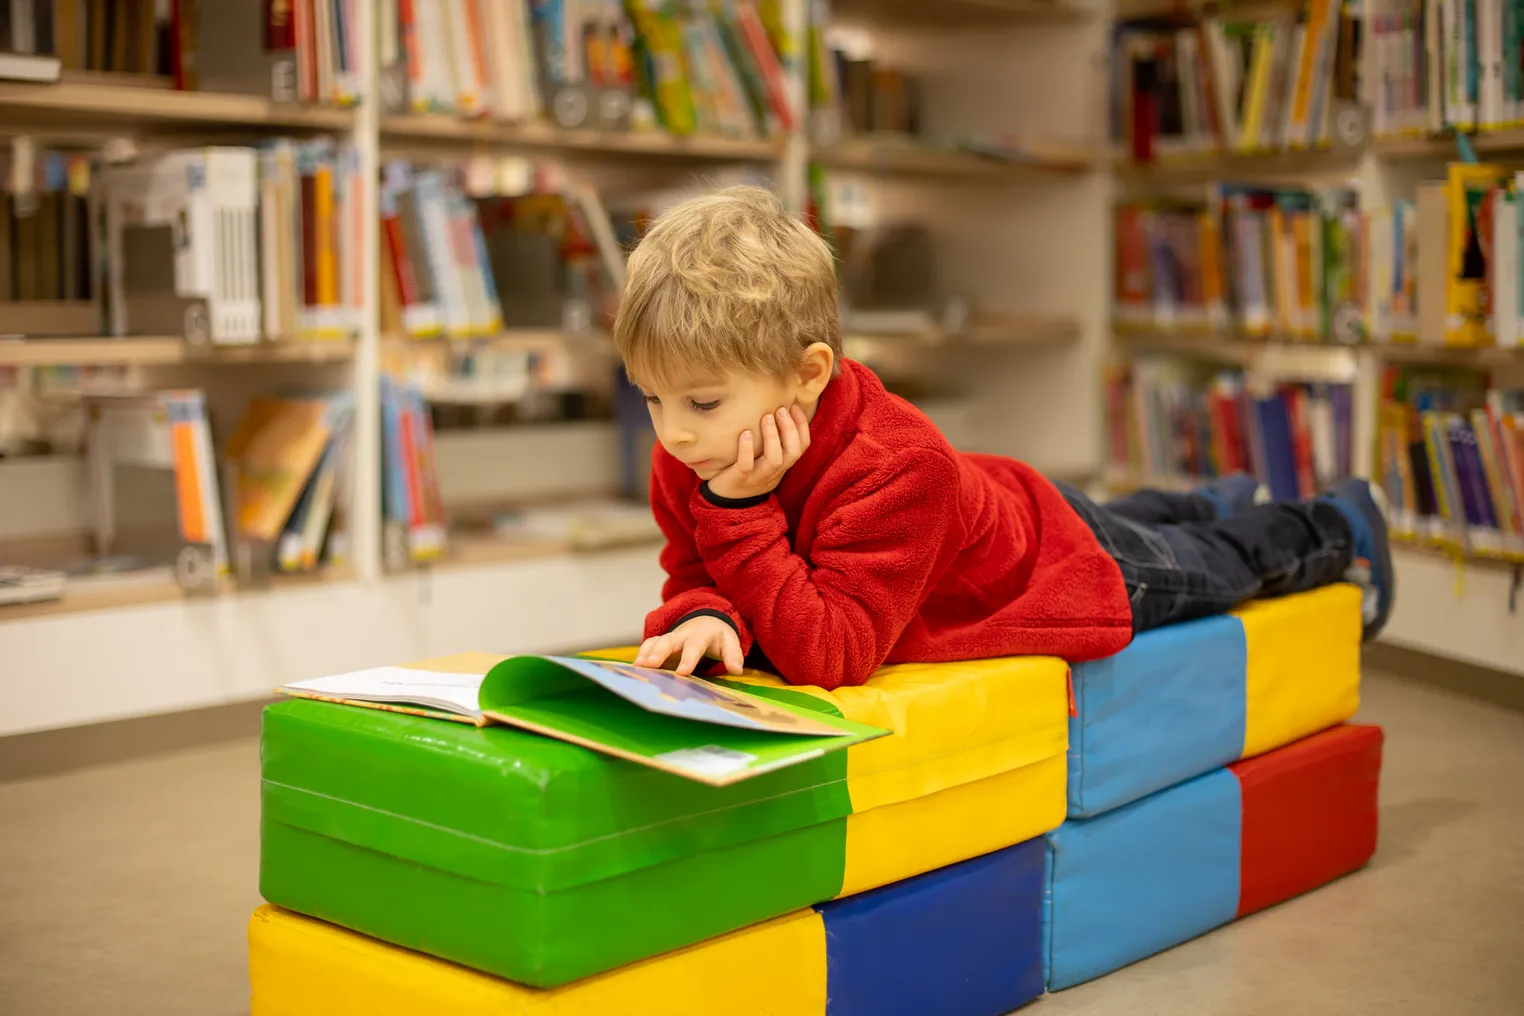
(77, 668)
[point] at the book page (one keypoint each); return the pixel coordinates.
(454, 692)
(693, 698)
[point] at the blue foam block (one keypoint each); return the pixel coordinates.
(962, 941)
(1167, 708)
(1147, 876)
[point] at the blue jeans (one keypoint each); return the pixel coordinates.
(1180, 561)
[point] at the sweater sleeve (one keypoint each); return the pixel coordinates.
(689, 589)
(833, 619)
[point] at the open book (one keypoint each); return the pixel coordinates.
(704, 730)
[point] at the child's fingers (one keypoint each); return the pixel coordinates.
(730, 652)
(653, 652)
(788, 432)
(802, 423)
(772, 448)
(693, 651)
(745, 452)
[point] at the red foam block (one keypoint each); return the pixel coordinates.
(1309, 813)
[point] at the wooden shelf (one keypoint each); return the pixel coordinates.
(525, 339)
(152, 586)
(1239, 348)
(1264, 167)
(1271, 357)
(958, 13)
(152, 351)
(1452, 356)
(435, 127)
(1228, 348)
(111, 107)
(1015, 332)
(904, 158)
(1506, 142)
(1137, 10)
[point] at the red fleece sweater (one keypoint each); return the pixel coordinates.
(885, 544)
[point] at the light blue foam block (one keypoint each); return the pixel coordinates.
(1134, 881)
(1169, 707)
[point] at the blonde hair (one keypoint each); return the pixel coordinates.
(726, 281)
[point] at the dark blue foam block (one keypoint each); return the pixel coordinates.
(965, 940)
(1167, 708)
(1134, 881)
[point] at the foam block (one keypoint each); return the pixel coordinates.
(1178, 863)
(962, 941)
(1309, 814)
(544, 862)
(1186, 699)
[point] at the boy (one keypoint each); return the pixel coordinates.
(819, 526)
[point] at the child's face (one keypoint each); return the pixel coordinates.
(700, 421)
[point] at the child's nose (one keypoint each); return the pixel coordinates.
(677, 435)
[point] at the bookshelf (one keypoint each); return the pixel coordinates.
(1043, 336)
(1455, 592)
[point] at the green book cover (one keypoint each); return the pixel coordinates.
(710, 731)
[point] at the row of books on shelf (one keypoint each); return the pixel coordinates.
(45, 233)
(238, 244)
(39, 38)
(1275, 83)
(1168, 422)
(1444, 269)
(707, 67)
(283, 481)
(1234, 84)
(545, 255)
(1445, 65)
(1450, 457)
(294, 50)
(852, 93)
(232, 244)
(1449, 266)
(1256, 260)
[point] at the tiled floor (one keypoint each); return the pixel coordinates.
(125, 890)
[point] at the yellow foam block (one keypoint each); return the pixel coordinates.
(303, 967)
(1303, 670)
(897, 841)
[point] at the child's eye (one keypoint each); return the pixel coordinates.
(653, 400)
(704, 407)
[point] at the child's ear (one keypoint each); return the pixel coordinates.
(815, 368)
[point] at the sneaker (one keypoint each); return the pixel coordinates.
(1234, 494)
(1363, 505)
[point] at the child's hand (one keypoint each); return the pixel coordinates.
(785, 436)
(691, 641)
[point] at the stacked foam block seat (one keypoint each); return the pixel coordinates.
(1024, 827)
(1211, 774)
(546, 864)
(961, 941)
